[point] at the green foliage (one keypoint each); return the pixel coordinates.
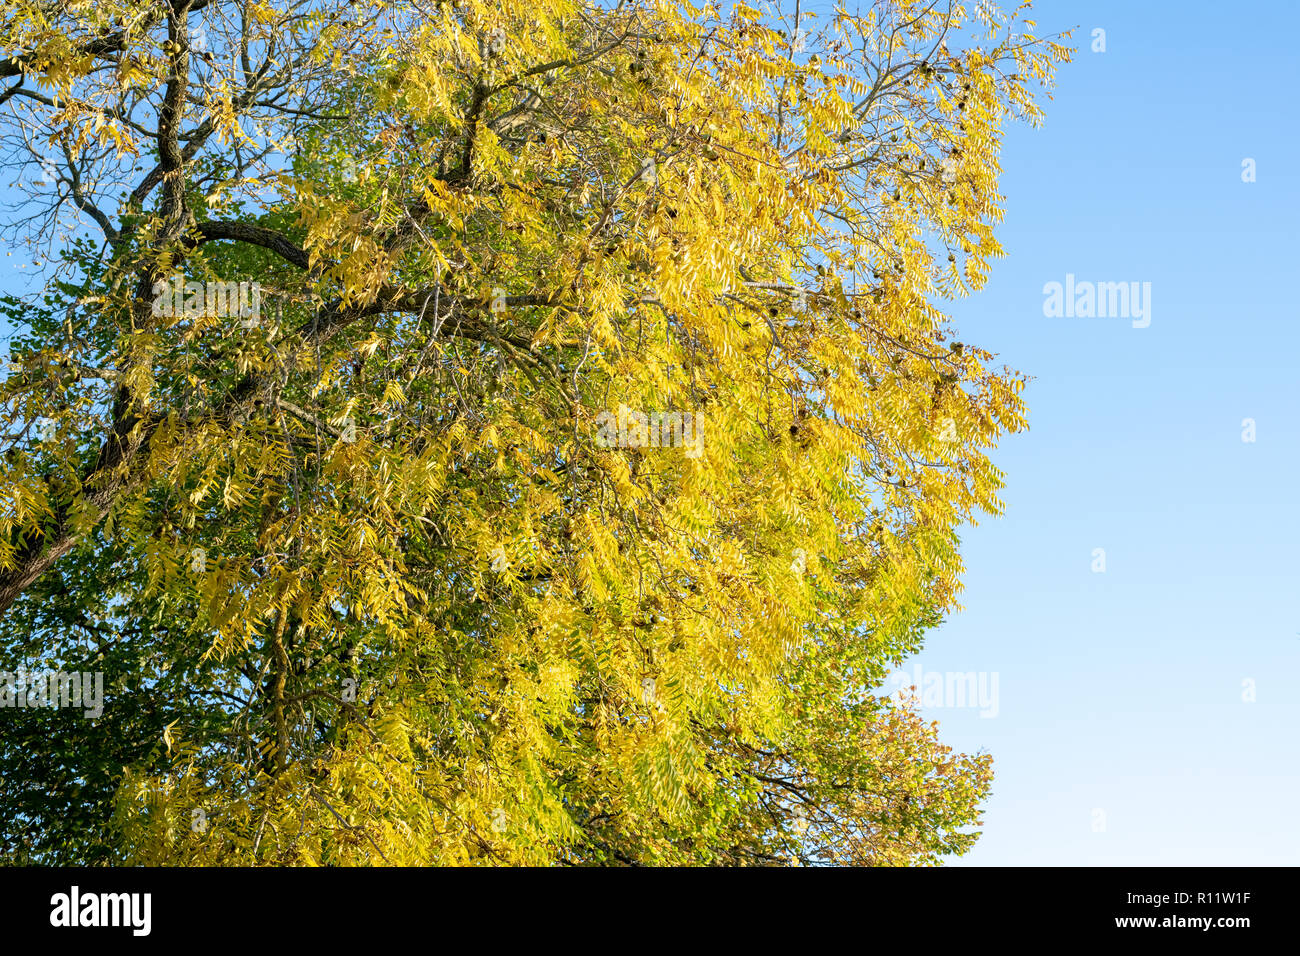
(394, 574)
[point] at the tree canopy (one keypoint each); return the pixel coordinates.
(583, 445)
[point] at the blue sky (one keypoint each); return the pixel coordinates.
(1122, 736)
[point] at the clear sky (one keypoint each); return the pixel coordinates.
(1121, 735)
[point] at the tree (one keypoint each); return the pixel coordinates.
(583, 444)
